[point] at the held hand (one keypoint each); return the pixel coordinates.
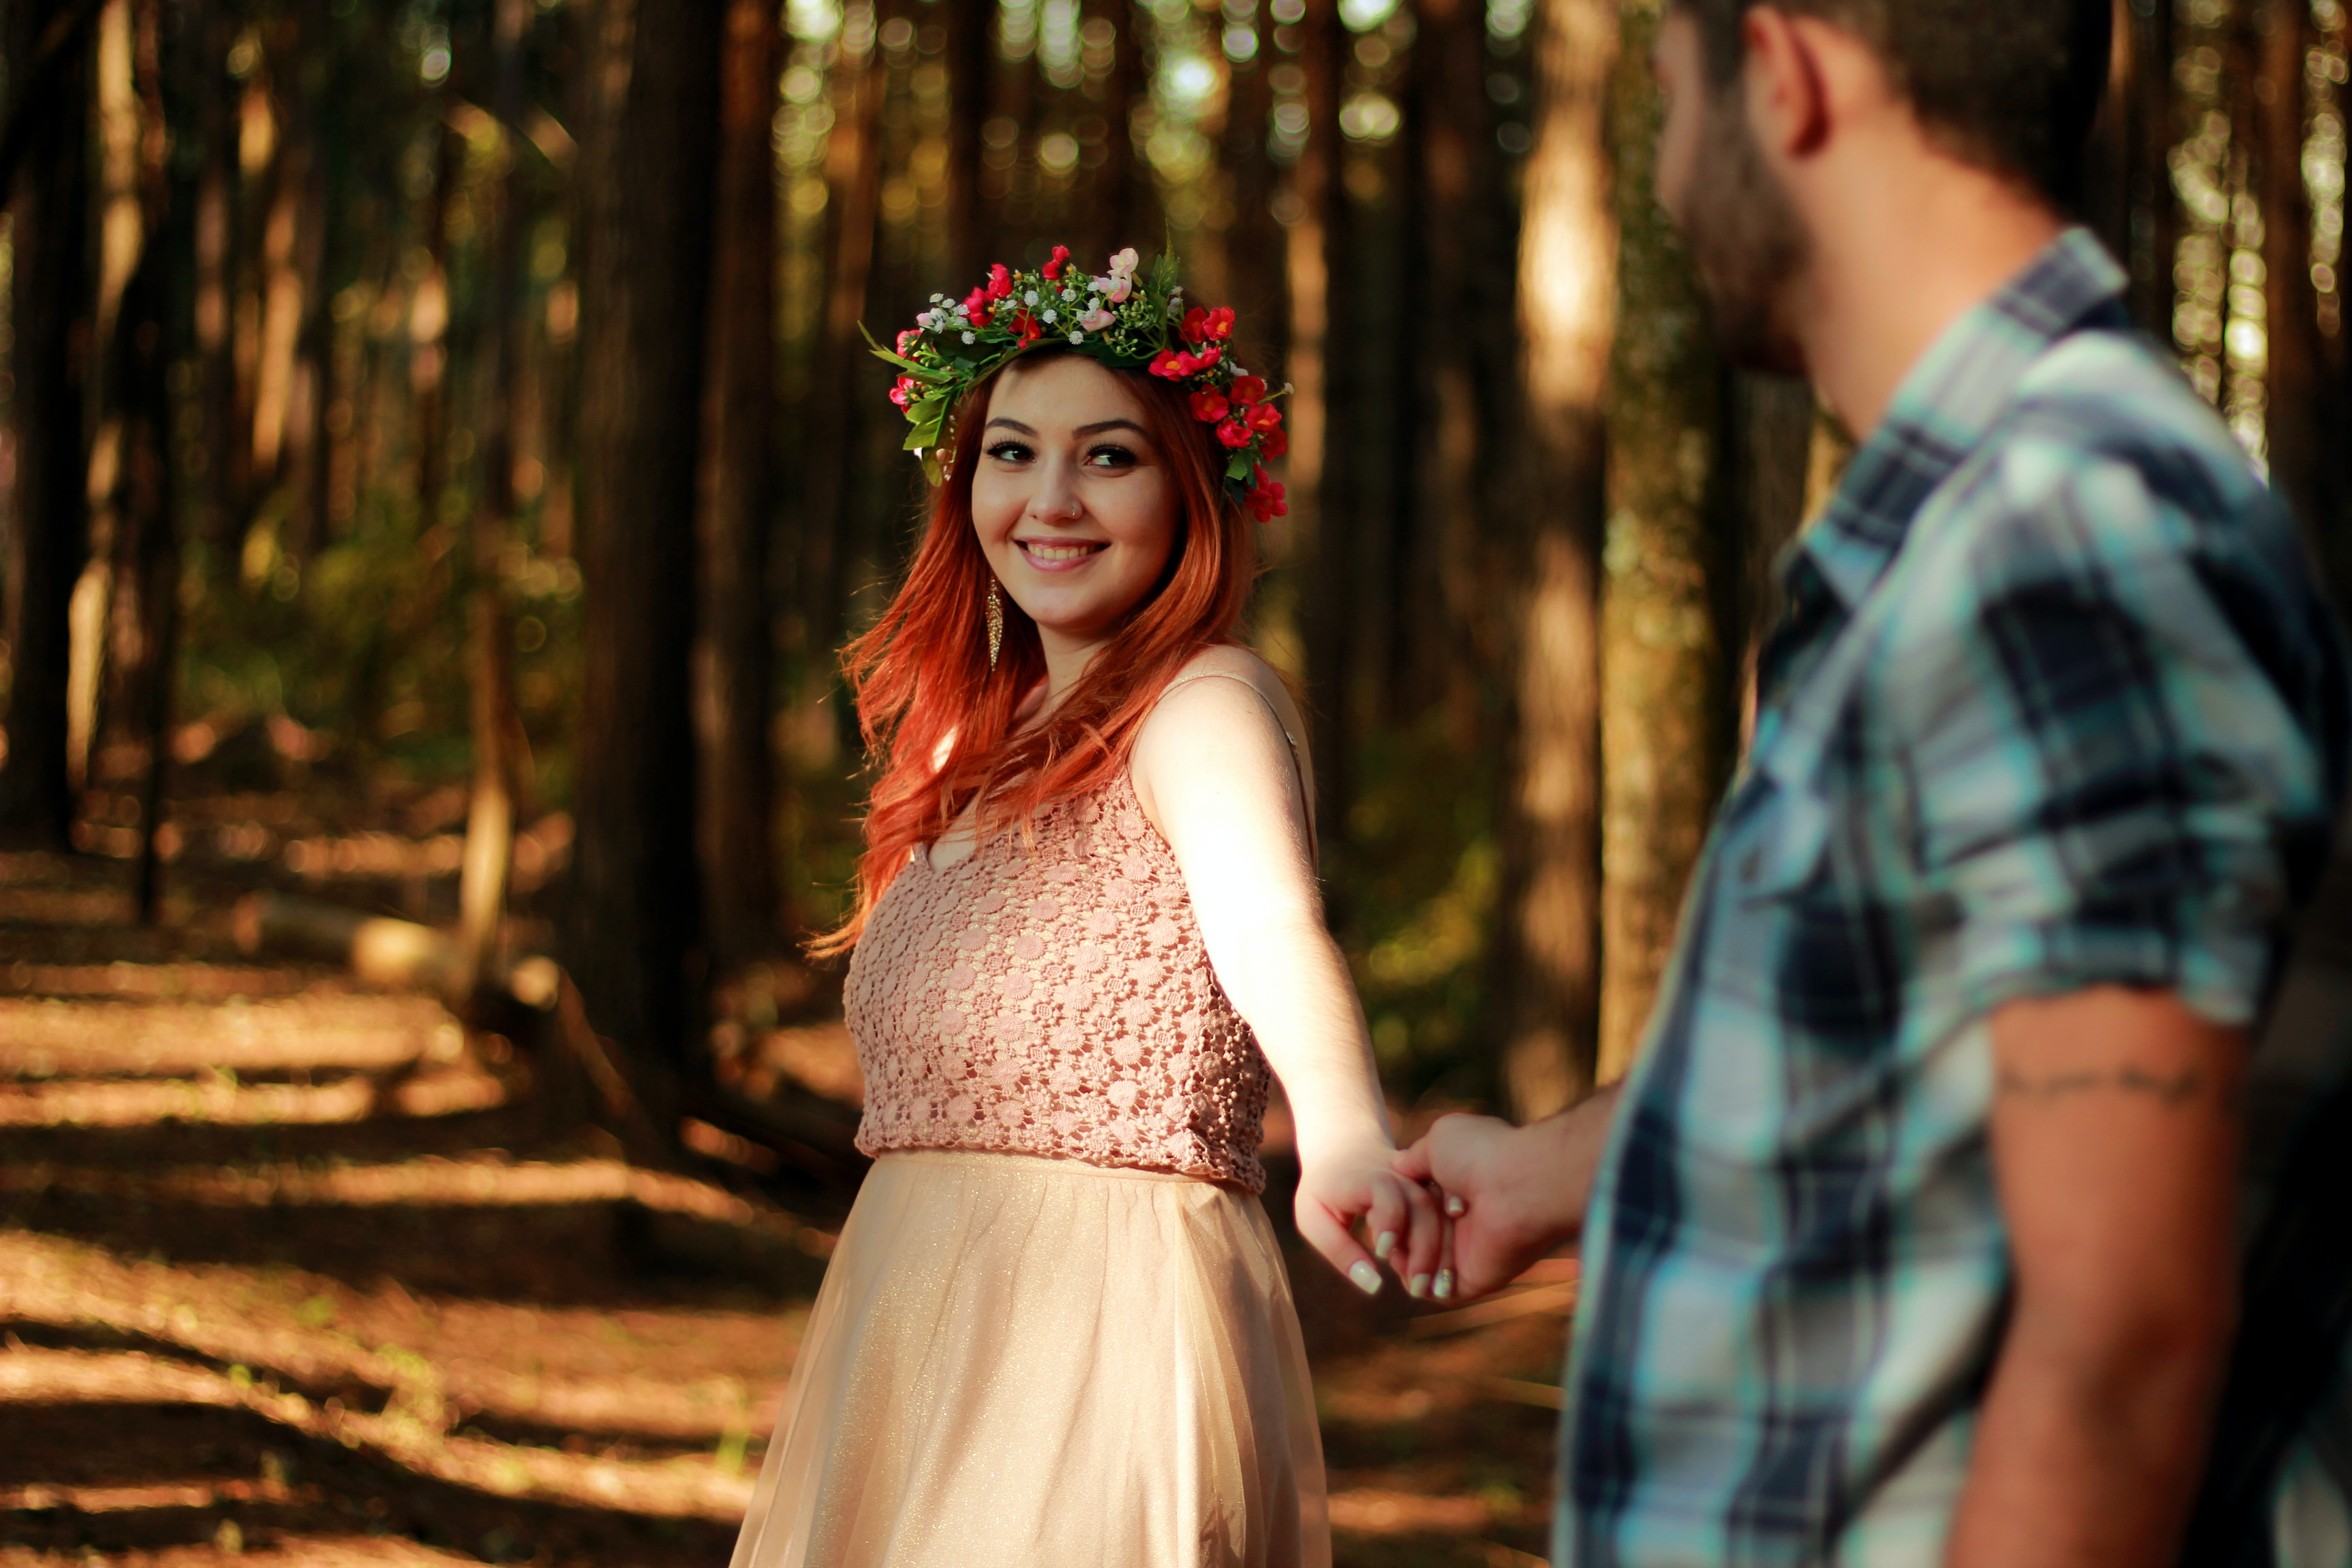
(1337, 1189)
(1496, 1190)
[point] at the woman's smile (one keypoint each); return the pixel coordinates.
(1059, 554)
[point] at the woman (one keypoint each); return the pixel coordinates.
(1057, 1329)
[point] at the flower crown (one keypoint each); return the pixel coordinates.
(1117, 319)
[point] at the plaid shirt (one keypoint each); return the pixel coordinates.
(2054, 704)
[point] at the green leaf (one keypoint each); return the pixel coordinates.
(919, 372)
(1240, 465)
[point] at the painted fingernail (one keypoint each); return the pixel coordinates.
(1385, 1245)
(1454, 1207)
(1365, 1278)
(1445, 1284)
(1417, 1286)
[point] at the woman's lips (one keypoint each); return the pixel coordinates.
(1059, 555)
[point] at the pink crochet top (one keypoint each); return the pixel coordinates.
(1055, 998)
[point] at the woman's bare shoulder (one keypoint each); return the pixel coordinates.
(1228, 663)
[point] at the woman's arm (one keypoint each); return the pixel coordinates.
(1214, 774)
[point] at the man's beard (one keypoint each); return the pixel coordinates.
(1749, 244)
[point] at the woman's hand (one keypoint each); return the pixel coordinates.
(1512, 1194)
(1358, 1182)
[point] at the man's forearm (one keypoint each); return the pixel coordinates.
(2087, 1460)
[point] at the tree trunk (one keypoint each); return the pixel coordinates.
(1568, 262)
(971, 72)
(219, 501)
(1317, 262)
(2306, 426)
(734, 650)
(854, 173)
(1665, 716)
(491, 721)
(1772, 443)
(49, 201)
(634, 909)
(428, 334)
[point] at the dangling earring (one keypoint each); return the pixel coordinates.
(995, 624)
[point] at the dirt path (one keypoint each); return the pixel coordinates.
(288, 1271)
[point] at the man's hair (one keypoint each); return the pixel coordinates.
(2011, 85)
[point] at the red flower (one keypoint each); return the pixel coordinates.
(1208, 407)
(910, 336)
(1208, 326)
(904, 392)
(1172, 366)
(1235, 433)
(1266, 498)
(1277, 442)
(976, 304)
(1000, 281)
(1026, 325)
(1206, 358)
(1265, 416)
(1246, 389)
(1061, 259)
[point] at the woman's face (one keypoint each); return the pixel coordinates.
(1075, 504)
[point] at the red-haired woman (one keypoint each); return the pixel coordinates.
(1056, 1330)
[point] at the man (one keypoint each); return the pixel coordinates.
(1911, 1240)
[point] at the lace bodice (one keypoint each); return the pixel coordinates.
(1055, 998)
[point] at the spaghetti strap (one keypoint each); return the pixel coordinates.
(1298, 764)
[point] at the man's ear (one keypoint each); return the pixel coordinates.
(1787, 96)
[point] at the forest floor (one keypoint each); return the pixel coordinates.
(296, 1271)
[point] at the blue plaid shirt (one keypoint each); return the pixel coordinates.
(2054, 704)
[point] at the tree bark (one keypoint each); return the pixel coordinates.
(634, 908)
(2306, 424)
(1317, 261)
(734, 650)
(1551, 832)
(220, 499)
(1665, 717)
(48, 203)
(971, 72)
(491, 720)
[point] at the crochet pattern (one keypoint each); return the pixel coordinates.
(1054, 997)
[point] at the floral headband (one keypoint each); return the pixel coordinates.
(1115, 320)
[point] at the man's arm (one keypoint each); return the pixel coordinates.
(2114, 1141)
(1515, 1193)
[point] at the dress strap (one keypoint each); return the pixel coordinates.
(1297, 763)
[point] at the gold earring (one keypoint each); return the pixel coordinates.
(995, 623)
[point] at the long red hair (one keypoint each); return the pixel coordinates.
(922, 682)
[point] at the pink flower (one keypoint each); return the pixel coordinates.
(1208, 407)
(908, 337)
(1114, 288)
(1098, 320)
(904, 392)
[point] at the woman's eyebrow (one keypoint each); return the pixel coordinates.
(1109, 424)
(1010, 425)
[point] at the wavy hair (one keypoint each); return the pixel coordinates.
(941, 728)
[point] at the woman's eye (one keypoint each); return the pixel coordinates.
(1111, 457)
(1008, 451)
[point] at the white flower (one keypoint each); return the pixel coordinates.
(1097, 320)
(1030, 298)
(1078, 337)
(970, 339)
(1049, 318)
(1096, 285)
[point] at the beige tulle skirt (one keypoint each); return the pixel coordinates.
(1037, 1362)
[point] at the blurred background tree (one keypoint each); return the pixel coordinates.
(447, 419)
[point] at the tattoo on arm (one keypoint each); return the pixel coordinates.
(2168, 1089)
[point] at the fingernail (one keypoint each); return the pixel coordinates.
(1367, 1279)
(1454, 1207)
(1385, 1245)
(1445, 1284)
(1417, 1286)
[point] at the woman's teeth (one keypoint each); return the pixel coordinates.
(1040, 551)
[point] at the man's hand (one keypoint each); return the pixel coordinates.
(1514, 1193)
(2114, 1141)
